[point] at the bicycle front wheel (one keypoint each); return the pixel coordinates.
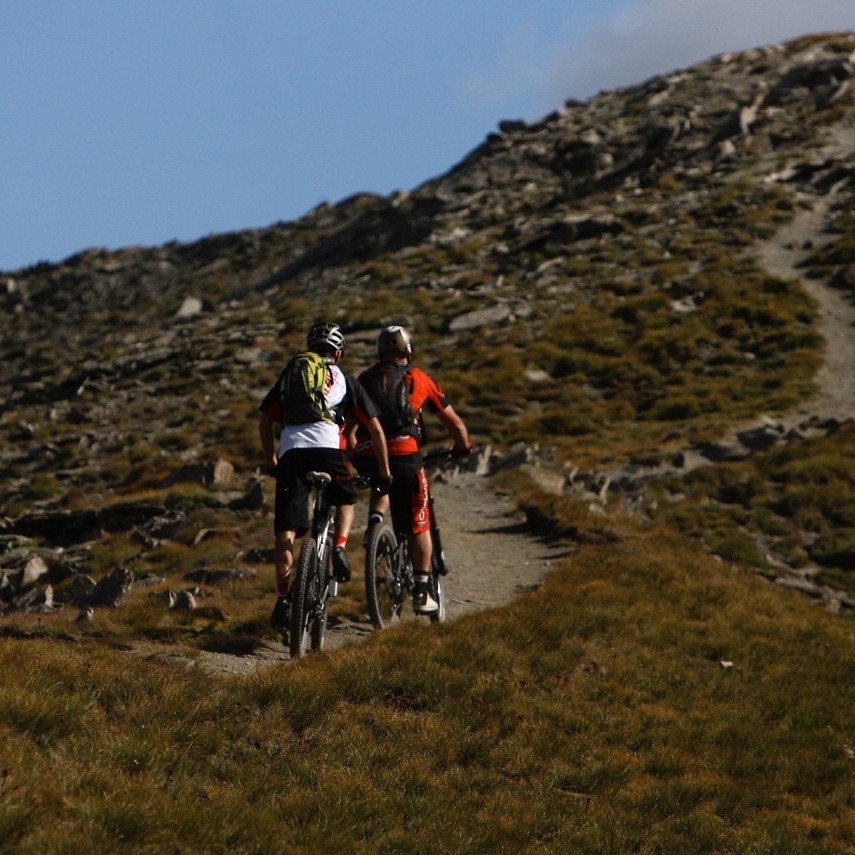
(304, 599)
(384, 590)
(436, 587)
(324, 575)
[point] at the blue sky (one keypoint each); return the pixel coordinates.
(137, 122)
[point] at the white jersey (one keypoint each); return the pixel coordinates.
(322, 434)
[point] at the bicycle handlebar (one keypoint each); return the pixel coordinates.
(437, 454)
(364, 482)
(444, 454)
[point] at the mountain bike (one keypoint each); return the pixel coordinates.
(313, 580)
(389, 575)
(314, 583)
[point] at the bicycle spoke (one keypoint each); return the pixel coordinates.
(304, 597)
(383, 587)
(321, 606)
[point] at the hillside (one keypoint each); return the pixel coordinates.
(610, 282)
(610, 248)
(642, 305)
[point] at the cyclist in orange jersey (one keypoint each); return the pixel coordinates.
(401, 392)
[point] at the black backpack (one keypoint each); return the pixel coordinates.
(301, 388)
(386, 384)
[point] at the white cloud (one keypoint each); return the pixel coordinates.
(656, 36)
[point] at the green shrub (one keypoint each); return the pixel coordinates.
(835, 549)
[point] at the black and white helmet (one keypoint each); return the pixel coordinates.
(323, 337)
(394, 340)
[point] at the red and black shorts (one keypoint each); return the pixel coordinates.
(291, 508)
(410, 494)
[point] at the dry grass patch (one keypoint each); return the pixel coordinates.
(648, 698)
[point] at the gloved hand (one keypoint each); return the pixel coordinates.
(461, 451)
(381, 485)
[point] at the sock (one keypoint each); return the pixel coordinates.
(340, 542)
(375, 518)
(281, 589)
(421, 579)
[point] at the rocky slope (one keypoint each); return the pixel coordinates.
(131, 374)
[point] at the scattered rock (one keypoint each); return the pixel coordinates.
(184, 601)
(216, 473)
(66, 528)
(40, 599)
(205, 576)
(82, 587)
(537, 375)
(550, 481)
(762, 437)
(722, 452)
(32, 571)
(85, 616)
(173, 660)
(481, 318)
(189, 308)
(112, 589)
(252, 500)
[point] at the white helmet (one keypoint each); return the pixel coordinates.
(325, 337)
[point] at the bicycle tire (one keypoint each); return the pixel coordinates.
(437, 588)
(319, 623)
(384, 591)
(304, 599)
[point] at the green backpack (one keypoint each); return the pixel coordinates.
(301, 388)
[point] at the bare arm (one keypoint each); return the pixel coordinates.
(456, 429)
(350, 427)
(265, 433)
(378, 440)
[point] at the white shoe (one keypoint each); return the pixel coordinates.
(424, 603)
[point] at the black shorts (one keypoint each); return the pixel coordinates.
(409, 497)
(291, 509)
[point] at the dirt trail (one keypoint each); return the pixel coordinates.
(492, 558)
(491, 554)
(783, 254)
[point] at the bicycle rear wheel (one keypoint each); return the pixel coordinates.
(304, 598)
(383, 587)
